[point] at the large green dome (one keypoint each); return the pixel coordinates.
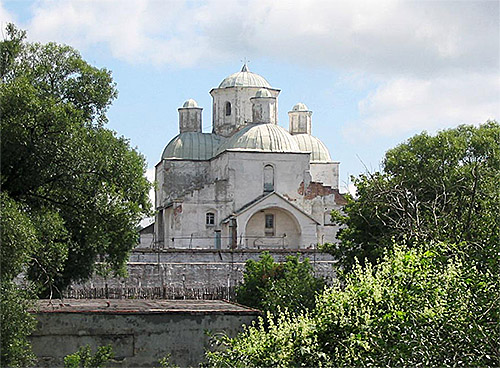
(192, 146)
(309, 143)
(261, 137)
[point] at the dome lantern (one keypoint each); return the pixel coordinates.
(190, 117)
(300, 119)
(264, 107)
(232, 101)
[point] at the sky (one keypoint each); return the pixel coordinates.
(374, 73)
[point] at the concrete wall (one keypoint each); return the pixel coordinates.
(138, 340)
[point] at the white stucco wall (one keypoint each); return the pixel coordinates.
(249, 174)
(286, 230)
(326, 173)
(241, 108)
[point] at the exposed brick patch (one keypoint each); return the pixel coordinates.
(315, 189)
(178, 210)
(339, 199)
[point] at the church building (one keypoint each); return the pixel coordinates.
(250, 184)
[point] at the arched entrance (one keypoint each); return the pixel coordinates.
(272, 227)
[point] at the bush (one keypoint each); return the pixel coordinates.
(417, 307)
(83, 358)
(269, 285)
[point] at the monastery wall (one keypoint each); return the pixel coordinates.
(200, 268)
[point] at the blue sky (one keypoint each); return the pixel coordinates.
(374, 73)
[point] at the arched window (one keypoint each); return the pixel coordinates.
(210, 219)
(268, 178)
(269, 225)
(228, 108)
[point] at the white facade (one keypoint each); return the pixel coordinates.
(250, 183)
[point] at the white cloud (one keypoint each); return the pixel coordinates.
(436, 63)
(386, 37)
(405, 105)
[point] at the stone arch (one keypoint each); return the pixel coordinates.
(287, 232)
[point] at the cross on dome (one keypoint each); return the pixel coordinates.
(245, 65)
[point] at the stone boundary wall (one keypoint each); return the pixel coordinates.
(199, 269)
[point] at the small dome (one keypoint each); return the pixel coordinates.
(244, 78)
(192, 146)
(263, 93)
(300, 107)
(190, 103)
(261, 137)
(309, 143)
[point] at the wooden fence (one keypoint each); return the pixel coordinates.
(156, 292)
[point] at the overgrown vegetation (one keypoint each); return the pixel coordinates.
(272, 286)
(432, 188)
(426, 288)
(418, 307)
(84, 358)
(72, 191)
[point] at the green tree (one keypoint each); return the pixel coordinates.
(81, 185)
(16, 325)
(271, 286)
(72, 191)
(442, 187)
(417, 307)
(18, 242)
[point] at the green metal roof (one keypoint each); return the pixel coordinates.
(309, 143)
(192, 146)
(261, 137)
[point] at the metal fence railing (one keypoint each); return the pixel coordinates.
(153, 292)
(217, 242)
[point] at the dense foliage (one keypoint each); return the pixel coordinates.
(269, 285)
(84, 358)
(416, 308)
(82, 187)
(16, 325)
(442, 187)
(72, 191)
(433, 299)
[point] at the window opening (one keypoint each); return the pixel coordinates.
(228, 108)
(269, 225)
(268, 178)
(210, 219)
